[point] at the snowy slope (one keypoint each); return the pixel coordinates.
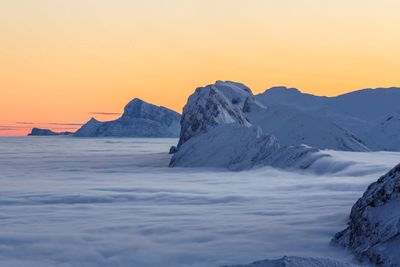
(296, 262)
(140, 119)
(293, 127)
(388, 132)
(365, 104)
(216, 133)
(358, 112)
(374, 227)
(238, 148)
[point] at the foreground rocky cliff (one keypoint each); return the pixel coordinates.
(373, 231)
(140, 119)
(215, 132)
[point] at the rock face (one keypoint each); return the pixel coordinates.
(140, 119)
(351, 111)
(296, 262)
(216, 133)
(373, 230)
(46, 132)
(220, 103)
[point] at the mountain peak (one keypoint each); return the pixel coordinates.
(232, 85)
(137, 107)
(140, 119)
(93, 120)
(283, 89)
(136, 102)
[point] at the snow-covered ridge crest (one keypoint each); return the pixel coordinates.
(140, 119)
(351, 111)
(219, 103)
(215, 132)
(373, 230)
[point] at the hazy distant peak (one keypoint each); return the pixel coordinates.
(46, 132)
(93, 120)
(135, 103)
(140, 119)
(380, 91)
(283, 89)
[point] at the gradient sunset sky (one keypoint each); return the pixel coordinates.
(62, 62)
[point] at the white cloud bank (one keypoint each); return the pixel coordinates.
(113, 202)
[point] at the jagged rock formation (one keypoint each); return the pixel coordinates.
(140, 119)
(46, 132)
(296, 262)
(373, 230)
(220, 103)
(360, 112)
(216, 133)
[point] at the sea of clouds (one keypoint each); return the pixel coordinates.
(114, 202)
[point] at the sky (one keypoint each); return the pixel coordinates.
(63, 62)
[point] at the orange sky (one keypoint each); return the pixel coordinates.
(60, 61)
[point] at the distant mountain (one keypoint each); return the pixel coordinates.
(358, 112)
(373, 230)
(140, 119)
(216, 133)
(46, 132)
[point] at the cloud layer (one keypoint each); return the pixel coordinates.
(113, 202)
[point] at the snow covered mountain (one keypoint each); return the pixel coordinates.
(296, 262)
(236, 103)
(140, 119)
(358, 112)
(209, 106)
(292, 126)
(46, 132)
(373, 230)
(215, 132)
(388, 132)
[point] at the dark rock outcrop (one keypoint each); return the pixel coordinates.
(373, 230)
